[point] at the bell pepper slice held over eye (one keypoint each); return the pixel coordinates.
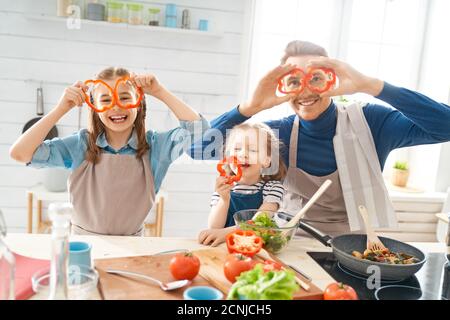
(114, 93)
(225, 164)
(245, 242)
(328, 80)
(328, 75)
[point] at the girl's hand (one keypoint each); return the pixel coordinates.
(149, 84)
(265, 94)
(73, 96)
(213, 237)
(223, 189)
(350, 80)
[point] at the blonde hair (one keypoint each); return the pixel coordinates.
(273, 147)
(302, 48)
(96, 126)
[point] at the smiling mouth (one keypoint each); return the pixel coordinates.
(307, 102)
(118, 119)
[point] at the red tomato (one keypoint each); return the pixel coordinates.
(236, 264)
(339, 291)
(270, 265)
(184, 266)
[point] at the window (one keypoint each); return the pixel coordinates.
(399, 41)
(276, 24)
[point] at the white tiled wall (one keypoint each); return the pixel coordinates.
(204, 71)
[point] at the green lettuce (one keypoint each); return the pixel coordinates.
(264, 220)
(259, 285)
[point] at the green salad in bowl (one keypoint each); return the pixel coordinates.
(268, 225)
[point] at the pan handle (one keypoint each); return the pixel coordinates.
(40, 102)
(323, 238)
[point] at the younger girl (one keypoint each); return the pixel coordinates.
(117, 166)
(257, 150)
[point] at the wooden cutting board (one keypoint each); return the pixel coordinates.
(212, 261)
(116, 287)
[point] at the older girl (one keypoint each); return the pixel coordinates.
(117, 166)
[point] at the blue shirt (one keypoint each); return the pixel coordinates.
(165, 147)
(414, 120)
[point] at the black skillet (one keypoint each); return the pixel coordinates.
(344, 245)
(40, 112)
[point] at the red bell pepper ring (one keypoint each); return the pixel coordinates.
(245, 242)
(114, 93)
(223, 173)
(307, 78)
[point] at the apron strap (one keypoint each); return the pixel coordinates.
(293, 145)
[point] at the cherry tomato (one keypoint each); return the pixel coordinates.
(184, 266)
(236, 264)
(339, 291)
(270, 265)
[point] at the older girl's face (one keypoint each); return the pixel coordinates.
(307, 105)
(116, 119)
(250, 148)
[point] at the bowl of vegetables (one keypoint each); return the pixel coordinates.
(268, 225)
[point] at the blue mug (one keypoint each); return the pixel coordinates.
(80, 254)
(202, 293)
(203, 25)
(171, 10)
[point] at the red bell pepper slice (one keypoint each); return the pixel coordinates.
(245, 242)
(223, 173)
(328, 74)
(114, 94)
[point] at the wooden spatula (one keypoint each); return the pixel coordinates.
(308, 205)
(373, 242)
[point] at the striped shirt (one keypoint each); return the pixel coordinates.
(273, 191)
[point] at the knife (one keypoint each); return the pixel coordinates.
(170, 251)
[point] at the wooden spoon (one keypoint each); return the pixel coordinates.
(293, 222)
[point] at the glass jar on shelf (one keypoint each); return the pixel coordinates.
(115, 12)
(135, 13)
(154, 15)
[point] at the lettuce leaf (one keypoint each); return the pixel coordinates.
(259, 285)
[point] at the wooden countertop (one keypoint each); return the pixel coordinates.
(39, 246)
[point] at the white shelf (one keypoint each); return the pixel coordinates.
(107, 24)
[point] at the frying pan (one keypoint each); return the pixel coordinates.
(344, 245)
(40, 112)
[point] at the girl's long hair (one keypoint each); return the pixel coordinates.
(96, 126)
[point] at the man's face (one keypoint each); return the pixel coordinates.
(307, 105)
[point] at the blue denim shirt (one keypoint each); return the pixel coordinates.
(165, 147)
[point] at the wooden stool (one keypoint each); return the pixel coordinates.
(155, 229)
(40, 194)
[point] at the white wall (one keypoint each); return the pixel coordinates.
(203, 71)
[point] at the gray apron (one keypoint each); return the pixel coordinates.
(358, 180)
(112, 197)
(328, 214)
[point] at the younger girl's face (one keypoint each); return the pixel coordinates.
(250, 148)
(116, 119)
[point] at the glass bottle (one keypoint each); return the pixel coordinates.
(135, 13)
(446, 271)
(59, 214)
(154, 17)
(7, 266)
(115, 12)
(448, 238)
